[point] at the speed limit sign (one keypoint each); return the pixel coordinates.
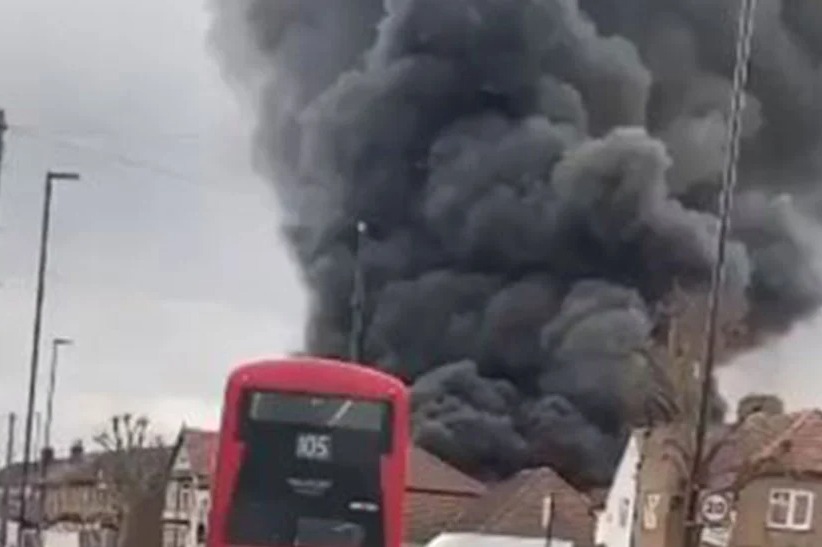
(715, 508)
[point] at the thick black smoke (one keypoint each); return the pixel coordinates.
(535, 175)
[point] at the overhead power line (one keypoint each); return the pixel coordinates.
(123, 159)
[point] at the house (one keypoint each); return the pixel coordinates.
(75, 494)
(10, 481)
(614, 522)
(80, 503)
(187, 496)
(10, 484)
(760, 486)
(436, 492)
(82, 497)
(519, 507)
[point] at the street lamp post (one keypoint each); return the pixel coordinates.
(47, 453)
(56, 344)
(51, 177)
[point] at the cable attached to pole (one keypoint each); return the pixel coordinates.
(745, 30)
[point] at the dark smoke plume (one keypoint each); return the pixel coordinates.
(535, 174)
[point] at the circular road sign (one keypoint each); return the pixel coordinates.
(715, 508)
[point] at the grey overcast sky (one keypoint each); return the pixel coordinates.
(166, 266)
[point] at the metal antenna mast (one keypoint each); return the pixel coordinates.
(729, 178)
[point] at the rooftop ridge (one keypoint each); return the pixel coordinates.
(770, 448)
(505, 508)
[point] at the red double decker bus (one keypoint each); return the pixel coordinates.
(312, 452)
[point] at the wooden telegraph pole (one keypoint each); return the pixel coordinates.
(691, 528)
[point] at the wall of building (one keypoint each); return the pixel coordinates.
(615, 523)
(85, 501)
(752, 508)
(659, 512)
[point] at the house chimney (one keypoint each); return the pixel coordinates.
(76, 452)
(46, 456)
(759, 403)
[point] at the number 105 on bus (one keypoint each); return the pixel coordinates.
(313, 446)
(313, 453)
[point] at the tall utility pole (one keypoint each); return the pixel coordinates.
(358, 299)
(51, 176)
(691, 528)
(5, 506)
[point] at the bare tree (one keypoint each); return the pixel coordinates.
(134, 468)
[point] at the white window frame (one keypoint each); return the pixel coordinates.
(172, 496)
(169, 536)
(186, 497)
(792, 495)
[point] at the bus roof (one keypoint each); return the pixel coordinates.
(317, 375)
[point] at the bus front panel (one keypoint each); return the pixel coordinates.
(311, 471)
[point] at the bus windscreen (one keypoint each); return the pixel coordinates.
(310, 474)
(322, 411)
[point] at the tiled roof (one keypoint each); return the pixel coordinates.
(59, 469)
(87, 469)
(799, 446)
(427, 514)
(778, 442)
(427, 473)
(514, 507)
(82, 469)
(201, 447)
(11, 474)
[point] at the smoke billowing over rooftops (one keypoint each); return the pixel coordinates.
(536, 175)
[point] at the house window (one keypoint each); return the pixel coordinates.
(169, 535)
(171, 496)
(185, 498)
(203, 512)
(649, 511)
(790, 509)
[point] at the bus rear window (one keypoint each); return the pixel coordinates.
(318, 410)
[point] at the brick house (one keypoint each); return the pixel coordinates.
(79, 502)
(65, 499)
(517, 507)
(10, 484)
(437, 493)
(187, 496)
(767, 471)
